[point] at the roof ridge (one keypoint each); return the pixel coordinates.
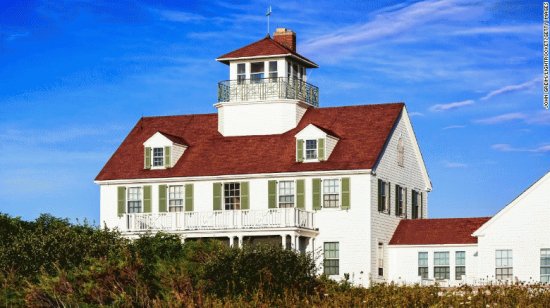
(448, 218)
(363, 105)
(262, 39)
(179, 115)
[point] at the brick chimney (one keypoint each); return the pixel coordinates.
(285, 37)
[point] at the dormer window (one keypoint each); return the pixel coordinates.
(158, 157)
(311, 149)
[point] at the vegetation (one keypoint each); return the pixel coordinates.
(50, 262)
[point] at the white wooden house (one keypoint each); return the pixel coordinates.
(272, 166)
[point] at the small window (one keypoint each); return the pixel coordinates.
(331, 258)
(423, 264)
(232, 196)
(134, 200)
(158, 157)
(400, 201)
(380, 259)
(545, 265)
(311, 149)
(257, 71)
(415, 205)
(273, 70)
(504, 264)
(441, 265)
(400, 153)
(241, 73)
(286, 194)
(288, 70)
(175, 198)
(460, 264)
(383, 198)
(331, 193)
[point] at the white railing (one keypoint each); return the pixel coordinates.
(218, 220)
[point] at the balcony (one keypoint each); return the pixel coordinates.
(218, 220)
(268, 89)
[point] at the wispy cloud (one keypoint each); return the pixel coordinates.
(450, 106)
(454, 165)
(504, 147)
(454, 127)
(177, 16)
(52, 136)
(537, 118)
(415, 114)
(532, 29)
(513, 88)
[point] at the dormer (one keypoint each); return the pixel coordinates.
(267, 91)
(162, 151)
(314, 144)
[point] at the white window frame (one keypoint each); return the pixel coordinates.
(401, 199)
(225, 203)
(316, 156)
(504, 260)
(439, 264)
(292, 194)
(140, 200)
(423, 267)
(461, 265)
(241, 77)
(261, 75)
(332, 259)
(380, 259)
(153, 163)
(172, 197)
(338, 182)
(545, 264)
(387, 204)
(273, 74)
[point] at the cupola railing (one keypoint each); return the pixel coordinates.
(261, 89)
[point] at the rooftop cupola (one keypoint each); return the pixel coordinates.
(267, 91)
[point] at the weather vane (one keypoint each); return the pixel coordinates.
(268, 13)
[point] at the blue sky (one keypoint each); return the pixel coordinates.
(75, 76)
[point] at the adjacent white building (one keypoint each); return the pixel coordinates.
(271, 166)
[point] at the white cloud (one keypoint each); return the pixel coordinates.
(536, 118)
(454, 127)
(503, 29)
(454, 165)
(177, 16)
(450, 106)
(504, 147)
(415, 114)
(513, 88)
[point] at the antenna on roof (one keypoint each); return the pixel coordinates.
(268, 14)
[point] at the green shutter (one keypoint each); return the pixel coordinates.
(167, 157)
(245, 194)
(405, 203)
(147, 199)
(316, 196)
(321, 149)
(380, 207)
(147, 155)
(162, 198)
(388, 186)
(345, 194)
(300, 150)
(397, 200)
(121, 200)
(217, 193)
(189, 198)
(272, 194)
(300, 194)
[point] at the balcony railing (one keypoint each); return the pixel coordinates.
(268, 89)
(217, 220)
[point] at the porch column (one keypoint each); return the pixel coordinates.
(297, 241)
(240, 241)
(293, 242)
(231, 241)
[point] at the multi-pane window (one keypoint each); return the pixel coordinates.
(256, 71)
(441, 265)
(383, 196)
(504, 264)
(415, 205)
(232, 196)
(286, 194)
(331, 258)
(311, 149)
(380, 259)
(545, 265)
(134, 200)
(158, 157)
(273, 70)
(400, 201)
(460, 264)
(423, 264)
(331, 193)
(400, 153)
(175, 198)
(241, 73)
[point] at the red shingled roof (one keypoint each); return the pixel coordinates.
(437, 231)
(362, 130)
(264, 47)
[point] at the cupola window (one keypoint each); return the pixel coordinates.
(256, 72)
(241, 73)
(273, 70)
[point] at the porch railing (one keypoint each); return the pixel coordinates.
(266, 89)
(217, 220)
